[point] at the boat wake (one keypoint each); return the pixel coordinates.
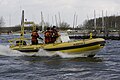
(6, 51)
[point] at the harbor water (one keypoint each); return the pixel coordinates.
(15, 65)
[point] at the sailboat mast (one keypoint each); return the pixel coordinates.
(42, 21)
(56, 20)
(52, 21)
(87, 22)
(95, 20)
(74, 21)
(106, 22)
(59, 19)
(103, 24)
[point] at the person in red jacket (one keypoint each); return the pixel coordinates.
(48, 36)
(34, 37)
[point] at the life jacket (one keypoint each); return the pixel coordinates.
(48, 36)
(34, 36)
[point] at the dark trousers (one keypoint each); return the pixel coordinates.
(34, 42)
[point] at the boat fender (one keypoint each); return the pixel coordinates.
(90, 35)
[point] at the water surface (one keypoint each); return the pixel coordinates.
(15, 65)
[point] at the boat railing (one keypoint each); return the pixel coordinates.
(31, 23)
(19, 42)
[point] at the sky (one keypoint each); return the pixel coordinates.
(11, 10)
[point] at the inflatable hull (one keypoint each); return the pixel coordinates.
(73, 47)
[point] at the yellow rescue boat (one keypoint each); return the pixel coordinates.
(62, 44)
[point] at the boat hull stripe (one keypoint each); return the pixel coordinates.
(78, 46)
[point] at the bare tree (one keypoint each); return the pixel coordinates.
(64, 26)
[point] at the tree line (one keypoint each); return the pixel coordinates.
(110, 23)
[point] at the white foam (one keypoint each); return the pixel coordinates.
(6, 51)
(66, 55)
(42, 52)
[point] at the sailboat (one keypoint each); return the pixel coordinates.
(62, 44)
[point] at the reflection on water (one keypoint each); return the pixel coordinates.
(87, 59)
(57, 59)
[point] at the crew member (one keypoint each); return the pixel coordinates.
(48, 36)
(55, 34)
(34, 37)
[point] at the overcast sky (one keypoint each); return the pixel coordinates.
(11, 10)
